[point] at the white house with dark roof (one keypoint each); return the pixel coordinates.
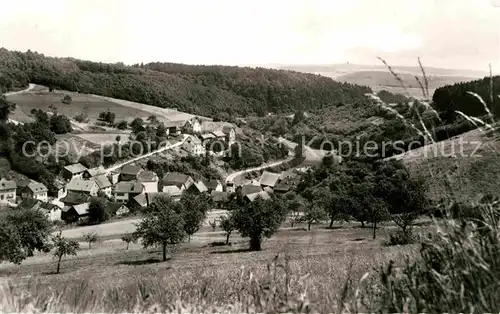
(74, 171)
(130, 172)
(194, 146)
(230, 134)
(174, 127)
(213, 185)
(104, 184)
(124, 191)
(88, 187)
(192, 126)
(74, 213)
(173, 191)
(35, 190)
(7, 191)
(197, 187)
(149, 180)
(181, 180)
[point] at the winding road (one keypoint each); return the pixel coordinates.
(232, 176)
(30, 87)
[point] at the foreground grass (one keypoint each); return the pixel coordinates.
(296, 269)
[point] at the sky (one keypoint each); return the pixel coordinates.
(463, 34)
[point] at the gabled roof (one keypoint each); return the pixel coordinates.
(218, 196)
(250, 189)
(175, 178)
(211, 184)
(114, 207)
(75, 198)
(175, 124)
(130, 170)
(129, 187)
(93, 172)
(263, 194)
(172, 190)
(7, 185)
(269, 178)
(193, 139)
(141, 199)
(76, 168)
(102, 181)
(268, 189)
(281, 187)
(207, 136)
(147, 176)
(82, 209)
(219, 133)
(23, 183)
(227, 129)
(37, 187)
(81, 185)
(200, 186)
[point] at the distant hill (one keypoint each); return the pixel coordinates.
(203, 90)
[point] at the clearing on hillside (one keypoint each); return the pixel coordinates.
(81, 103)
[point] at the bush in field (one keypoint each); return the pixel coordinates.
(90, 238)
(66, 99)
(22, 232)
(98, 211)
(259, 219)
(122, 125)
(63, 247)
(128, 238)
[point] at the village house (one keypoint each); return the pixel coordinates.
(174, 127)
(197, 187)
(219, 135)
(118, 209)
(269, 179)
(248, 189)
(125, 191)
(114, 177)
(93, 172)
(74, 171)
(192, 126)
(75, 198)
(253, 196)
(129, 172)
(220, 199)
(21, 184)
(182, 181)
(193, 146)
(73, 213)
(53, 212)
(60, 189)
(104, 185)
(35, 190)
(173, 191)
(7, 191)
(206, 137)
(149, 180)
(230, 135)
(88, 187)
(213, 185)
(281, 188)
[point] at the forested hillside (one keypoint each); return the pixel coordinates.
(203, 90)
(449, 98)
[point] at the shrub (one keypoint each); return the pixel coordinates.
(66, 99)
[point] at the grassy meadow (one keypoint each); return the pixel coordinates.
(305, 265)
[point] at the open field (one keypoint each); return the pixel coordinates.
(464, 166)
(92, 106)
(105, 138)
(198, 273)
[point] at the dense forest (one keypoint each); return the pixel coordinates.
(202, 90)
(449, 98)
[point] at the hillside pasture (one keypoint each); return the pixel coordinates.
(104, 139)
(81, 103)
(316, 263)
(464, 166)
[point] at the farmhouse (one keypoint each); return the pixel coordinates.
(193, 146)
(129, 172)
(220, 199)
(7, 191)
(219, 135)
(103, 184)
(35, 190)
(269, 179)
(118, 209)
(173, 191)
(197, 187)
(127, 190)
(182, 181)
(88, 187)
(248, 189)
(207, 136)
(53, 212)
(93, 172)
(192, 126)
(75, 198)
(73, 171)
(74, 213)
(60, 188)
(21, 184)
(174, 127)
(230, 135)
(252, 197)
(281, 187)
(213, 185)
(149, 180)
